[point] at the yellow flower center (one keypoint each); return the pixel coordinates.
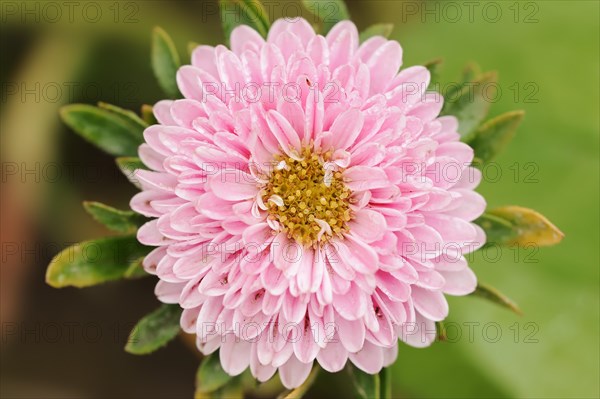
(308, 197)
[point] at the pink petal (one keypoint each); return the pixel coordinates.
(168, 292)
(162, 112)
(384, 64)
(343, 43)
(346, 129)
(235, 356)
(285, 134)
(233, 185)
(293, 373)
(305, 346)
(368, 225)
(351, 305)
(461, 282)
(244, 37)
(369, 359)
(354, 252)
(431, 304)
(351, 333)
(204, 58)
(420, 333)
(361, 178)
(333, 357)
(259, 371)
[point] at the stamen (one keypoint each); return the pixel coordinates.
(308, 198)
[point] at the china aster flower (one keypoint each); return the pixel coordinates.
(308, 202)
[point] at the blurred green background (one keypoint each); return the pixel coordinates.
(68, 343)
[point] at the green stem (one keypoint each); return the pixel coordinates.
(385, 383)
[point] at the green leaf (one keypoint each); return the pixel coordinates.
(115, 219)
(329, 12)
(154, 330)
(494, 135)
(109, 131)
(434, 67)
(165, 62)
(128, 115)
(515, 225)
(94, 262)
(368, 386)
(210, 375)
(128, 165)
(471, 104)
(148, 115)
(243, 12)
(470, 72)
(384, 30)
(492, 294)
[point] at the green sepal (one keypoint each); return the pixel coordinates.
(94, 262)
(470, 105)
(327, 12)
(243, 12)
(110, 131)
(515, 225)
(384, 30)
(494, 135)
(210, 375)
(495, 296)
(165, 62)
(114, 219)
(155, 330)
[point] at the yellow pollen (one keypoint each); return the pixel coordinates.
(308, 203)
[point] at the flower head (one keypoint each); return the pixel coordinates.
(309, 203)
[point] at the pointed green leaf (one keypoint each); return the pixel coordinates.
(148, 115)
(492, 294)
(471, 104)
(128, 115)
(244, 12)
(94, 262)
(107, 130)
(128, 165)
(210, 375)
(115, 219)
(384, 30)
(368, 386)
(165, 62)
(470, 73)
(434, 67)
(515, 225)
(494, 135)
(329, 12)
(154, 330)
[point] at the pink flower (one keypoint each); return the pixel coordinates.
(309, 202)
